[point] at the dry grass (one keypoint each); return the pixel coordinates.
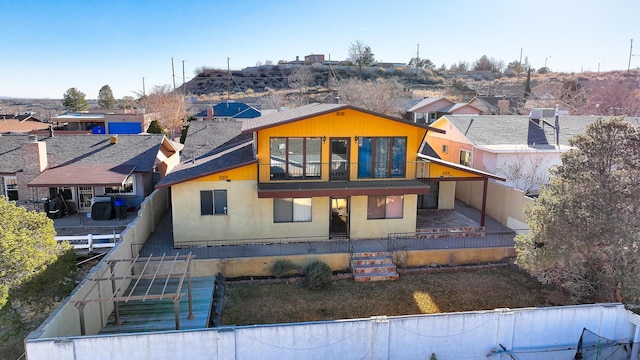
(430, 293)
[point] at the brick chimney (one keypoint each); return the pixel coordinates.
(209, 113)
(34, 161)
(503, 107)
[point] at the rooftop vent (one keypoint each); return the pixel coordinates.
(33, 138)
(113, 139)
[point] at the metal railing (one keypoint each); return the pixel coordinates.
(429, 241)
(279, 170)
(213, 249)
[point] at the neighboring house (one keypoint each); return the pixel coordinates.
(20, 124)
(319, 170)
(228, 110)
(430, 109)
(496, 105)
(103, 121)
(313, 59)
(81, 167)
(503, 144)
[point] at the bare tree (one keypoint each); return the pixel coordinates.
(167, 107)
(272, 100)
(300, 78)
(527, 171)
(379, 96)
(360, 53)
(612, 96)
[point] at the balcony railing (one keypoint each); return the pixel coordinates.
(279, 170)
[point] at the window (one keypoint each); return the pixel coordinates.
(65, 191)
(128, 188)
(213, 202)
(11, 187)
(295, 158)
(445, 149)
(465, 158)
(385, 207)
(292, 210)
(381, 157)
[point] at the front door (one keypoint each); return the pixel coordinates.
(339, 224)
(339, 159)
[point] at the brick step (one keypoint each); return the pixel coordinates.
(382, 276)
(373, 268)
(373, 260)
(370, 254)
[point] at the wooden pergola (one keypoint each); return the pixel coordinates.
(155, 278)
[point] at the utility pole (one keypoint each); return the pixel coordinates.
(173, 75)
(143, 91)
(228, 80)
(418, 57)
(520, 65)
(184, 89)
(630, 53)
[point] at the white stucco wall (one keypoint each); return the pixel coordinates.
(549, 333)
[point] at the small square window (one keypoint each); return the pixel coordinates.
(445, 149)
(213, 202)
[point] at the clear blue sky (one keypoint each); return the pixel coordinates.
(50, 46)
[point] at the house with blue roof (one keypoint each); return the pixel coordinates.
(228, 110)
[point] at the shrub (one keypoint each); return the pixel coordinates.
(317, 275)
(283, 267)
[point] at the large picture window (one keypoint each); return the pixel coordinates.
(213, 202)
(382, 157)
(291, 210)
(128, 188)
(11, 187)
(295, 158)
(385, 207)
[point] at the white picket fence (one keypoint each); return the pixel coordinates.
(91, 242)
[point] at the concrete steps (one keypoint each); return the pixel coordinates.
(373, 266)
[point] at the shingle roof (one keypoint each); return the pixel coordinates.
(205, 136)
(18, 126)
(223, 158)
(236, 110)
(427, 101)
(518, 129)
(304, 112)
(138, 150)
(285, 116)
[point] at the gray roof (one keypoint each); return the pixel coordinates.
(223, 158)
(138, 150)
(518, 129)
(205, 136)
(304, 112)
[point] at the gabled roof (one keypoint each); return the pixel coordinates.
(236, 110)
(492, 130)
(203, 137)
(428, 101)
(308, 111)
(221, 159)
(137, 150)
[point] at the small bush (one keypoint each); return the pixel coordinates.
(317, 275)
(283, 267)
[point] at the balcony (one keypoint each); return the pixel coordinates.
(340, 178)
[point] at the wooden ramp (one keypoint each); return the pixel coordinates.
(158, 314)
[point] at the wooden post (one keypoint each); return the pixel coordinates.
(484, 201)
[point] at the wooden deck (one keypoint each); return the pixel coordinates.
(159, 315)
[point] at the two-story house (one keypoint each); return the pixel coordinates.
(316, 171)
